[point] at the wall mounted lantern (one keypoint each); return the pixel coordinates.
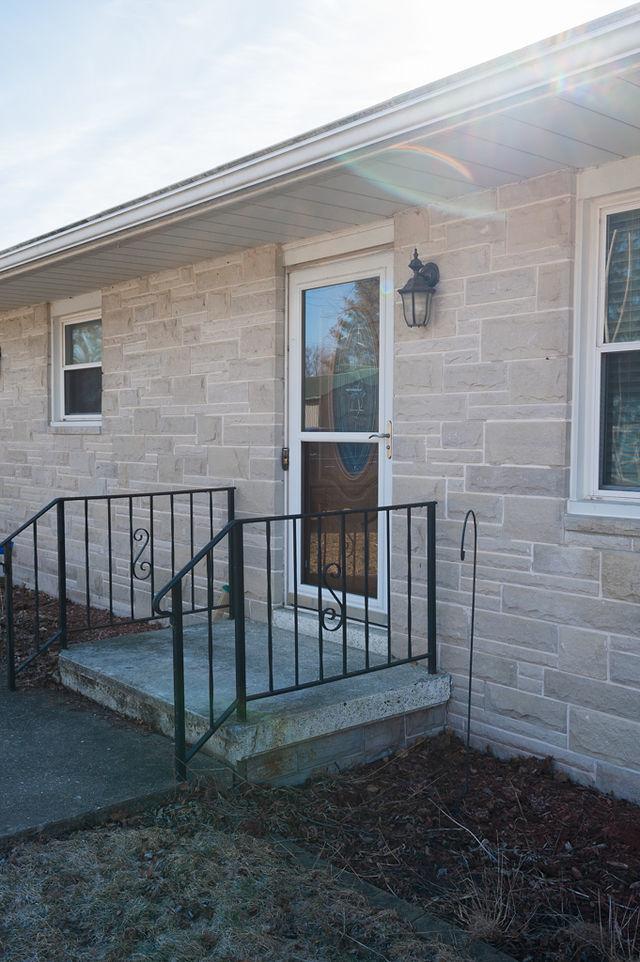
(418, 292)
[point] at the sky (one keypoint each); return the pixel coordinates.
(102, 101)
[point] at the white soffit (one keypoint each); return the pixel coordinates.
(572, 101)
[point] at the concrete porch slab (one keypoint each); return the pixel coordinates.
(285, 736)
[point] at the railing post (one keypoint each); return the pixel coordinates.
(179, 721)
(431, 588)
(62, 574)
(237, 580)
(8, 614)
(231, 513)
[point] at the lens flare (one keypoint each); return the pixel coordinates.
(440, 156)
(419, 185)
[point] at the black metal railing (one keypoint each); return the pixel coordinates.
(365, 576)
(107, 553)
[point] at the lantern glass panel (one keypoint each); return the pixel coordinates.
(421, 307)
(407, 307)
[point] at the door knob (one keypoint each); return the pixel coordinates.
(387, 434)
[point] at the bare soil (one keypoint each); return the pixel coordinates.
(547, 870)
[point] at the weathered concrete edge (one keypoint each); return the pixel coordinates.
(425, 924)
(133, 805)
(117, 695)
(235, 742)
(244, 740)
(222, 774)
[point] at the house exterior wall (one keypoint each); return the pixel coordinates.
(482, 420)
(193, 395)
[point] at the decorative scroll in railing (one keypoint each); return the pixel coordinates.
(357, 594)
(107, 554)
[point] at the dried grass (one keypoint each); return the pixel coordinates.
(488, 903)
(177, 892)
(614, 936)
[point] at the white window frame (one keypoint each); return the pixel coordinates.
(596, 200)
(61, 318)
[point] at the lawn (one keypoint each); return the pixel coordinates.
(179, 885)
(543, 869)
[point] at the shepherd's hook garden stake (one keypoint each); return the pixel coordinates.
(470, 514)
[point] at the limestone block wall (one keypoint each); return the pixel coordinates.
(192, 397)
(194, 390)
(482, 420)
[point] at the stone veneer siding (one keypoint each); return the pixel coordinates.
(193, 394)
(482, 420)
(192, 397)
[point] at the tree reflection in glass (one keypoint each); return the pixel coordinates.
(341, 330)
(83, 343)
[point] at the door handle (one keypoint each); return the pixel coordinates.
(388, 435)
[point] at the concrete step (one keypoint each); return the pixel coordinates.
(285, 737)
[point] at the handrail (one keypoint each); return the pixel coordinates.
(190, 565)
(26, 524)
(257, 519)
(335, 514)
(109, 497)
(334, 663)
(143, 507)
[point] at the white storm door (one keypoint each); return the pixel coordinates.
(340, 398)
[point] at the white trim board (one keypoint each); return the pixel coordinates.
(600, 190)
(339, 243)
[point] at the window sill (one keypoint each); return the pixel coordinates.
(75, 427)
(597, 517)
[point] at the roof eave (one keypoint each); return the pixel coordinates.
(607, 44)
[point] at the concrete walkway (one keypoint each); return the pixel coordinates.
(62, 758)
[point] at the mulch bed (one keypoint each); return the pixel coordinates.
(42, 673)
(546, 869)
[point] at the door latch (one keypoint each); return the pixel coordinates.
(388, 434)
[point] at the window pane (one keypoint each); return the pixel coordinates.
(83, 343)
(622, 308)
(620, 428)
(83, 391)
(341, 331)
(336, 476)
